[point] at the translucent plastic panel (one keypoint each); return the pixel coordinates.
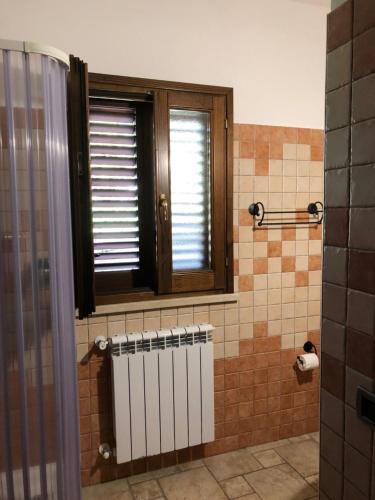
(39, 440)
(190, 189)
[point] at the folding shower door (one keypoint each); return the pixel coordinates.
(39, 440)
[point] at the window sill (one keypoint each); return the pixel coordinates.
(149, 305)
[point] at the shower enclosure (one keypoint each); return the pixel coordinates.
(39, 440)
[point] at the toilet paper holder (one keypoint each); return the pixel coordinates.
(309, 347)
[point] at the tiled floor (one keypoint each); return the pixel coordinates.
(284, 470)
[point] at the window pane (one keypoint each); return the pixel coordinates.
(113, 158)
(190, 189)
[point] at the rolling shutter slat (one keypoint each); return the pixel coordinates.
(113, 156)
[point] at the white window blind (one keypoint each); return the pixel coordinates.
(190, 189)
(113, 157)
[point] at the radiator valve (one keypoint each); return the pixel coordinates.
(101, 342)
(105, 451)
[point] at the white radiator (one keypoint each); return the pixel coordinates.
(163, 390)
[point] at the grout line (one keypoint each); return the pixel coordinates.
(217, 482)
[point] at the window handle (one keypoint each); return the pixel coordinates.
(163, 205)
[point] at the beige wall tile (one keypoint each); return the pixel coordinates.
(315, 292)
(244, 200)
(260, 313)
(246, 184)
(316, 184)
(232, 349)
(301, 293)
(245, 250)
(246, 331)
(97, 319)
(315, 277)
(300, 309)
(260, 298)
(287, 341)
(116, 328)
(80, 322)
(289, 151)
(96, 330)
(274, 281)
(274, 234)
(246, 299)
(260, 183)
(300, 338)
(219, 350)
(288, 280)
(303, 185)
(276, 167)
(231, 316)
(217, 318)
(245, 266)
(275, 184)
(302, 233)
(302, 247)
(289, 186)
(288, 294)
(246, 315)
(275, 202)
(274, 312)
(302, 263)
(287, 326)
(274, 296)
(168, 321)
(300, 324)
(315, 247)
(82, 334)
(303, 168)
(135, 315)
(314, 308)
(260, 249)
(288, 248)
(289, 168)
(231, 332)
(289, 200)
(313, 323)
(274, 265)
(303, 152)
(117, 317)
(218, 334)
(81, 352)
(152, 314)
(316, 169)
(246, 166)
(260, 282)
(288, 310)
(152, 323)
(274, 327)
(133, 325)
(245, 234)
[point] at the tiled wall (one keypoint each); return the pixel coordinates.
(348, 344)
(259, 396)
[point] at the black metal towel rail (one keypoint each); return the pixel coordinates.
(314, 209)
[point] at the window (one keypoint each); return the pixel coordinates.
(156, 187)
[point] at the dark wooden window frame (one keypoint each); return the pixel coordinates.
(167, 95)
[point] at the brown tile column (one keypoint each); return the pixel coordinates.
(348, 324)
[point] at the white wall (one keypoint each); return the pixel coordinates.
(271, 51)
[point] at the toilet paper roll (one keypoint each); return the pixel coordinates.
(307, 362)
